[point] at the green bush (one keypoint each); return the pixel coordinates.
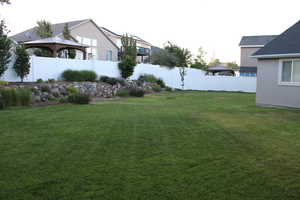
(149, 78)
(3, 83)
(40, 80)
(72, 90)
(51, 80)
(112, 81)
(136, 92)
(79, 98)
(79, 76)
(156, 88)
(23, 96)
(123, 93)
(45, 88)
(168, 89)
(14, 97)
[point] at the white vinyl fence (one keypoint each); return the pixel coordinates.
(51, 68)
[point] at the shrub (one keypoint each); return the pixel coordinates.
(126, 66)
(136, 92)
(79, 98)
(51, 80)
(14, 97)
(3, 83)
(112, 81)
(149, 78)
(156, 88)
(45, 88)
(23, 96)
(72, 90)
(168, 89)
(40, 80)
(123, 93)
(79, 76)
(88, 75)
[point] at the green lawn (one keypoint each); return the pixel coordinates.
(184, 145)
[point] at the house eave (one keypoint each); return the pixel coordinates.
(291, 55)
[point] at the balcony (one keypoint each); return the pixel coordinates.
(140, 51)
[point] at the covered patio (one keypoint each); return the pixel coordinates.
(55, 45)
(220, 70)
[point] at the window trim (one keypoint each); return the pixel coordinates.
(280, 67)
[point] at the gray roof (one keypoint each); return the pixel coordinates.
(30, 34)
(286, 43)
(259, 40)
(55, 40)
(248, 69)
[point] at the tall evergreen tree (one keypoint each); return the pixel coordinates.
(67, 35)
(43, 30)
(22, 65)
(5, 46)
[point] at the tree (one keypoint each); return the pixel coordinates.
(67, 35)
(5, 46)
(43, 30)
(232, 65)
(214, 62)
(199, 62)
(4, 1)
(22, 65)
(128, 58)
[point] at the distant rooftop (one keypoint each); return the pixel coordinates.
(257, 40)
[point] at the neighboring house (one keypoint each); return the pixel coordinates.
(249, 45)
(278, 77)
(143, 47)
(87, 32)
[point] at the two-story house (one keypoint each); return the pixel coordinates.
(249, 45)
(143, 47)
(87, 32)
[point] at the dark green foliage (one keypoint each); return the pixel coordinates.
(67, 35)
(42, 52)
(15, 97)
(149, 78)
(3, 83)
(45, 88)
(5, 46)
(39, 80)
(168, 89)
(126, 66)
(51, 80)
(123, 93)
(112, 81)
(136, 92)
(128, 58)
(156, 88)
(72, 90)
(199, 62)
(44, 29)
(79, 76)
(79, 98)
(22, 65)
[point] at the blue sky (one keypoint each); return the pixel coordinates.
(215, 25)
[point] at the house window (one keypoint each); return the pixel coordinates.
(109, 55)
(290, 72)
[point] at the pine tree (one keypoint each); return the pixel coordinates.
(5, 46)
(22, 65)
(67, 35)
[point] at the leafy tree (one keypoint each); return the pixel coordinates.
(67, 35)
(4, 1)
(164, 58)
(199, 62)
(22, 65)
(5, 46)
(214, 62)
(128, 58)
(232, 65)
(43, 30)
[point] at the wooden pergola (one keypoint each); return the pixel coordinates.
(222, 69)
(56, 44)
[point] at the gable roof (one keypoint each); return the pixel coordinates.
(285, 45)
(30, 34)
(257, 40)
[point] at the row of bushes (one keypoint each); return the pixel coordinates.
(14, 97)
(134, 92)
(79, 76)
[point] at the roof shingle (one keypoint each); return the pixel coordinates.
(259, 40)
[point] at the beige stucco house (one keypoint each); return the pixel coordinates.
(87, 32)
(249, 45)
(278, 77)
(143, 47)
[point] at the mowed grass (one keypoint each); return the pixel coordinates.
(184, 145)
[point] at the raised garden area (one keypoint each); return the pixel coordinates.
(179, 145)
